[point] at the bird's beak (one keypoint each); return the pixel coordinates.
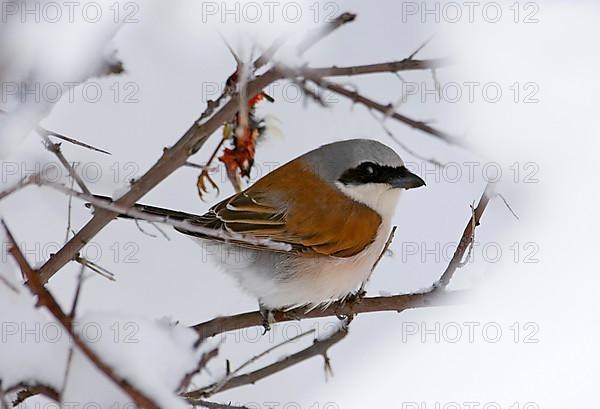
(404, 179)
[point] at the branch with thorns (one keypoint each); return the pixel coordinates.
(47, 300)
(319, 347)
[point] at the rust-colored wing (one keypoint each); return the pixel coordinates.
(292, 205)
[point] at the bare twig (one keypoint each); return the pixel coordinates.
(507, 205)
(72, 315)
(402, 144)
(230, 48)
(204, 359)
(385, 247)
(290, 74)
(410, 57)
(464, 262)
(147, 233)
(10, 285)
(139, 227)
(318, 348)
(69, 209)
(161, 231)
(268, 54)
(213, 405)
(80, 279)
(385, 109)
(46, 132)
(242, 114)
(397, 303)
(195, 165)
(55, 149)
(227, 378)
(26, 390)
(26, 181)
(392, 67)
(436, 82)
(465, 240)
(318, 34)
(361, 291)
(101, 271)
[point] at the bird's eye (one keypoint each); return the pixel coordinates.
(369, 168)
(366, 172)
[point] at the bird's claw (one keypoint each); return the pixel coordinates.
(201, 183)
(350, 300)
(354, 298)
(268, 318)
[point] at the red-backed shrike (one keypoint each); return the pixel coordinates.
(332, 206)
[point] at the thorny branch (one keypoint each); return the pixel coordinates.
(231, 375)
(212, 405)
(204, 359)
(318, 348)
(318, 34)
(396, 303)
(26, 181)
(371, 104)
(46, 299)
(26, 391)
(466, 239)
(392, 67)
(72, 313)
(55, 149)
(47, 132)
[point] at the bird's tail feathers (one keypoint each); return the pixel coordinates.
(152, 210)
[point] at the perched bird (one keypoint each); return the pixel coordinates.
(332, 208)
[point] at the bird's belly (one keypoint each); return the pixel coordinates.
(279, 280)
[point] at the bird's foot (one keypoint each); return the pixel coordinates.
(268, 317)
(347, 303)
(354, 298)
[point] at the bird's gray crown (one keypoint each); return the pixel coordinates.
(332, 160)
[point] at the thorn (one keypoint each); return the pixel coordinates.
(238, 61)
(410, 57)
(507, 205)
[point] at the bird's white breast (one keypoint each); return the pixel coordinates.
(282, 281)
(333, 278)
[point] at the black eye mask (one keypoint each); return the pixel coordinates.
(369, 172)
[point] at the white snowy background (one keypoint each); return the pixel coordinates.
(534, 280)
